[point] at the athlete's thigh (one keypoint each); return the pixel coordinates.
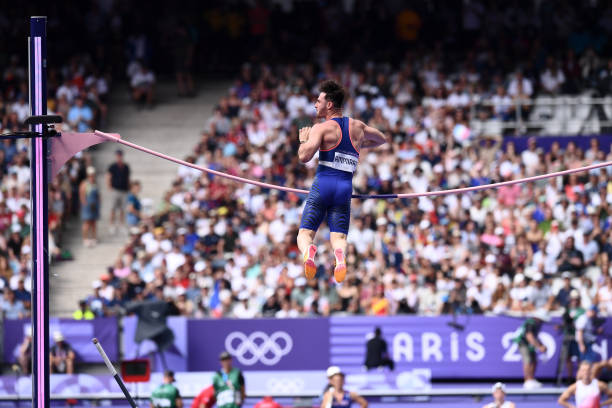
(315, 208)
(339, 213)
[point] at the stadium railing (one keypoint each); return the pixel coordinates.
(551, 115)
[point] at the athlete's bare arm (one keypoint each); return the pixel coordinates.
(567, 394)
(372, 137)
(310, 141)
(604, 390)
(359, 399)
(327, 399)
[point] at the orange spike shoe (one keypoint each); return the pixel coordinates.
(310, 269)
(340, 268)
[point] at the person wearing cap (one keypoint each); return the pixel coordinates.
(166, 395)
(499, 397)
(118, 182)
(229, 384)
(89, 197)
(528, 343)
(336, 396)
(61, 355)
(588, 327)
(587, 390)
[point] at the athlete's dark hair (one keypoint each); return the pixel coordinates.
(334, 92)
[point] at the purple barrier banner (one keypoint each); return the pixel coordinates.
(476, 347)
(260, 344)
(77, 333)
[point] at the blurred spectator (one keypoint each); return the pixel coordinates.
(377, 354)
(83, 312)
(205, 399)
(118, 181)
(499, 397)
(90, 207)
(166, 395)
(143, 86)
(528, 342)
(25, 352)
(61, 355)
(133, 205)
(570, 258)
(80, 116)
(267, 402)
(588, 327)
(184, 49)
(228, 383)
(11, 307)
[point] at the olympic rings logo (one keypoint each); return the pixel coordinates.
(284, 385)
(258, 347)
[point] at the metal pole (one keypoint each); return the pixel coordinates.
(37, 47)
(114, 373)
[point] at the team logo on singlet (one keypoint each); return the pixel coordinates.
(344, 162)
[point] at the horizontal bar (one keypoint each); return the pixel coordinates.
(43, 119)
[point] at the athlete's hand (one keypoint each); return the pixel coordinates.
(304, 134)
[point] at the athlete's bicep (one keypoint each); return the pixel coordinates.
(373, 137)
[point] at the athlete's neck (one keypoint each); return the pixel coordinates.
(333, 114)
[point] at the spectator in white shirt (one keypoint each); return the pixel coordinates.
(552, 79)
(143, 86)
(21, 108)
(520, 86)
(502, 104)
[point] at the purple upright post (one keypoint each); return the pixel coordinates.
(37, 51)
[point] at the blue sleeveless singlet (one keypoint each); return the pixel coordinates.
(330, 194)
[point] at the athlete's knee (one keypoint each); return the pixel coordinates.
(305, 233)
(338, 239)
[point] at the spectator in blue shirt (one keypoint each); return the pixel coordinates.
(132, 216)
(80, 116)
(12, 308)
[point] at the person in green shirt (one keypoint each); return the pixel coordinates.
(228, 383)
(528, 343)
(83, 312)
(166, 395)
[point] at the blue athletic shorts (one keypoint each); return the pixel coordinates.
(330, 196)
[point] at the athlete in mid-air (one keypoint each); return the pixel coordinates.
(338, 140)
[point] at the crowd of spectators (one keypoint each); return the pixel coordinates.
(223, 249)
(77, 90)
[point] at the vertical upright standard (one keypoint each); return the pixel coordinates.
(37, 55)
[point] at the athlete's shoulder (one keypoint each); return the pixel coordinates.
(328, 124)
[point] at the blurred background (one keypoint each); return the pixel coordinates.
(172, 266)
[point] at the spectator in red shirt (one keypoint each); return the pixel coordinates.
(268, 402)
(205, 399)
